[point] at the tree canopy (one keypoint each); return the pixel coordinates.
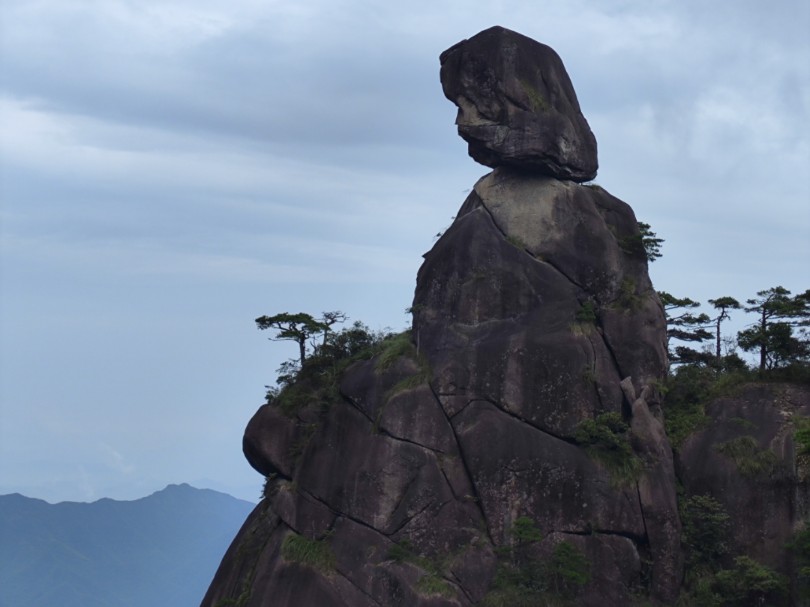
(772, 336)
(299, 327)
(722, 305)
(650, 241)
(684, 325)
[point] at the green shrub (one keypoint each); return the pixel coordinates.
(316, 382)
(706, 527)
(750, 460)
(431, 584)
(568, 570)
(749, 583)
(315, 553)
(801, 436)
(627, 299)
(689, 389)
(799, 545)
(523, 579)
(586, 313)
(525, 531)
(633, 246)
(394, 348)
(607, 440)
(401, 552)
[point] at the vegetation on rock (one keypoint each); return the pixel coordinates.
(645, 244)
(746, 454)
(706, 535)
(432, 581)
(316, 380)
(523, 578)
(314, 553)
(607, 440)
(706, 532)
(799, 546)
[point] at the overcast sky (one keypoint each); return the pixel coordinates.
(172, 169)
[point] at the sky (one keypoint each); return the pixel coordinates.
(172, 169)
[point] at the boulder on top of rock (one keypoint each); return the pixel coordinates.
(517, 106)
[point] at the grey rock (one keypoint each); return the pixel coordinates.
(517, 106)
(768, 505)
(532, 314)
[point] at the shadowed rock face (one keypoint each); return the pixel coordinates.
(517, 366)
(517, 107)
(448, 460)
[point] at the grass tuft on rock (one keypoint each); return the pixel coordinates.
(314, 553)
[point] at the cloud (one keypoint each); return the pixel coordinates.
(172, 169)
(113, 459)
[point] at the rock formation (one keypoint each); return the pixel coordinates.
(517, 107)
(523, 403)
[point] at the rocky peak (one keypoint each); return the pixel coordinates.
(518, 421)
(517, 106)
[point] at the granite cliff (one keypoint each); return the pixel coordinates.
(520, 421)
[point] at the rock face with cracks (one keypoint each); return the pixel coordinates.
(533, 315)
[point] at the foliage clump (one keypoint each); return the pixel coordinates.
(750, 460)
(523, 579)
(749, 583)
(706, 538)
(691, 387)
(801, 436)
(586, 313)
(314, 553)
(432, 584)
(432, 581)
(799, 545)
(394, 348)
(607, 440)
(316, 380)
(644, 244)
(706, 530)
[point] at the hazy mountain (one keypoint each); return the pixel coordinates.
(161, 550)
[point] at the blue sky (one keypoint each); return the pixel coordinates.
(171, 170)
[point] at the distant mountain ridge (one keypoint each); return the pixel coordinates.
(160, 550)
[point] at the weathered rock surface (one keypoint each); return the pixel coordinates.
(766, 490)
(517, 106)
(517, 364)
(529, 313)
(533, 316)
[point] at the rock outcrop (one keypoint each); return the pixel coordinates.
(517, 107)
(747, 460)
(523, 402)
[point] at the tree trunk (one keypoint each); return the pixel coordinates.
(763, 348)
(302, 347)
(718, 337)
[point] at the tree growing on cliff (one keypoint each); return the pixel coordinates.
(684, 325)
(772, 335)
(722, 305)
(645, 243)
(299, 327)
(650, 241)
